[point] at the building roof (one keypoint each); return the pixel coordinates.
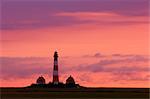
(70, 79)
(40, 80)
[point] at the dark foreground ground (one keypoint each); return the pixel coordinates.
(84, 93)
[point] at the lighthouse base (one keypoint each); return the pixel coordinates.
(52, 85)
(55, 83)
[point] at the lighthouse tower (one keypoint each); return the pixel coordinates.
(55, 69)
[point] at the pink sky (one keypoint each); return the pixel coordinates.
(101, 43)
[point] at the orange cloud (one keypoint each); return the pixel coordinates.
(104, 17)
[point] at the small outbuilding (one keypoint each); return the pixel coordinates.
(70, 82)
(40, 80)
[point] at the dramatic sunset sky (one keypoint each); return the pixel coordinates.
(101, 43)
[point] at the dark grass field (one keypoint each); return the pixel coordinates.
(81, 93)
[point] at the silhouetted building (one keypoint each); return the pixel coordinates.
(70, 82)
(40, 80)
(55, 69)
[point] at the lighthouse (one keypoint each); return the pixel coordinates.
(55, 69)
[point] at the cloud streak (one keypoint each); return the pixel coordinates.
(23, 67)
(120, 70)
(33, 14)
